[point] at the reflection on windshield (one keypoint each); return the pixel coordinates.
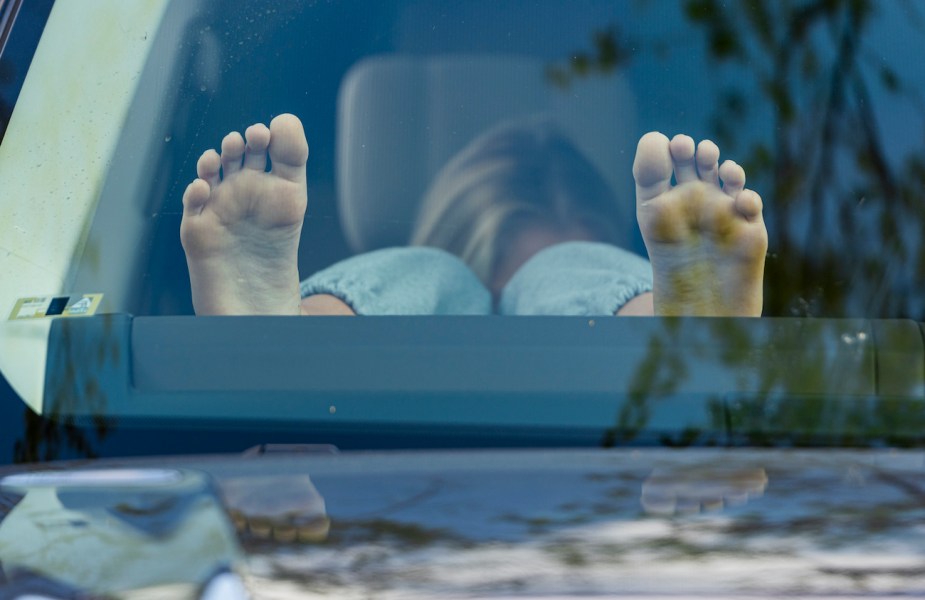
(837, 155)
(75, 416)
(793, 383)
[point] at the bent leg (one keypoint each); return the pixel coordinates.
(579, 279)
(398, 281)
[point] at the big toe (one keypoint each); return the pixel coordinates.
(653, 166)
(288, 147)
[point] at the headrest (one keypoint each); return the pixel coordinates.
(401, 118)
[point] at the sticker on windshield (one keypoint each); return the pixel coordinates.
(77, 305)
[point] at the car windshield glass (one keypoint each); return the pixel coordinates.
(440, 160)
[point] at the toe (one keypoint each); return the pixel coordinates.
(733, 177)
(708, 162)
(232, 151)
(208, 167)
(255, 152)
(195, 197)
(652, 166)
(682, 156)
(749, 205)
(288, 147)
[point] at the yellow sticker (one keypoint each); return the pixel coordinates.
(75, 305)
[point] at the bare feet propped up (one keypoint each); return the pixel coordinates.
(705, 236)
(241, 223)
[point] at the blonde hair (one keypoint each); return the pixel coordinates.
(513, 176)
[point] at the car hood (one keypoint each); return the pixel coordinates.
(541, 523)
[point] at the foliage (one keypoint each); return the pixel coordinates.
(844, 215)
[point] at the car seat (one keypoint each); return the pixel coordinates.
(401, 117)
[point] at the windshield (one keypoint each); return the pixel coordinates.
(445, 166)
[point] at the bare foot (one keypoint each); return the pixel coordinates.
(241, 230)
(700, 488)
(286, 508)
(706, 243)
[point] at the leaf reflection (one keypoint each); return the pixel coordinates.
(844, 209)
(774, 382)
(75, 406)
